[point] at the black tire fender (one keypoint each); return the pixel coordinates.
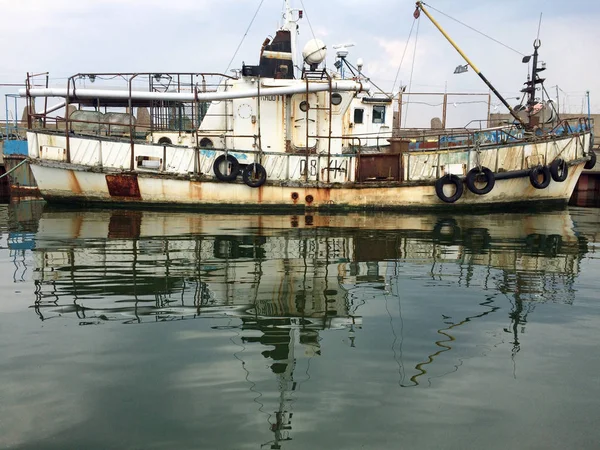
(590, 163)
(449, 179)
(233, 163)
(559, 170)
(254, 175)
(535, 173)
(472, 176)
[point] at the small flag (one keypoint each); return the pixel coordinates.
(461, 69)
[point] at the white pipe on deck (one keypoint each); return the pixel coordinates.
(111, 94)
(55, 107)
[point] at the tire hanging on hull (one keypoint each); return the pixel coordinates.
(231, 163)
(474, 174)
(449, 179)
(254, 175)
(535, 173)
(592, 161)
(559, 170)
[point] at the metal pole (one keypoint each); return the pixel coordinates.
(444, 111)
(306, 126)
(587, 94)
(68, 143)
(130, 107)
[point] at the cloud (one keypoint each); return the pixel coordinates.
(66, 37)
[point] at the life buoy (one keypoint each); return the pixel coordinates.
(590, 163)
(232, 168)
(535, 173)
(449, 179)
(474, 174)
(254, 175)
(559, 170)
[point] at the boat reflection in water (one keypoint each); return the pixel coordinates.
(284, 279)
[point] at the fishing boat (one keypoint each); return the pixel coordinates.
(270, 138)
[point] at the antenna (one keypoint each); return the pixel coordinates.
(342, 52)
(342, 49)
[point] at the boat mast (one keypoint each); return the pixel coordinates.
(291, 25)
(420, 6)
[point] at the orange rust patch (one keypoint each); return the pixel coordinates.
(260, 194)
(123, 186)
(196, 190)
(74, 183)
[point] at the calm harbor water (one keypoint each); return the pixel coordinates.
(154, 330)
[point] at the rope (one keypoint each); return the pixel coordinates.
(13, 169)
(412, 69)
(244, 37)
(307, 19)
(403, 55)
(475, 30)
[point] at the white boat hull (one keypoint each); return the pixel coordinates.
(59, 182)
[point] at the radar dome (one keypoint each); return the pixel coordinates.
(314, 52)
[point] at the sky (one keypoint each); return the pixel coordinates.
(65, 37)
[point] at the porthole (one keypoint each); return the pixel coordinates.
(206, 143)
(304, 106)
(336, 98)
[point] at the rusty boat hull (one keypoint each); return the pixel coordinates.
(67, 183)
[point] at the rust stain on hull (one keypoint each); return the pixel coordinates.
(196, 191)
(74, 183)
(123, 186)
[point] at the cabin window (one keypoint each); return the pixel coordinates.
(336, 98)
(379, 114)
(358, 115)
(303, 106)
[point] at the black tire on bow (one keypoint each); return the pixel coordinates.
(535, 174)
(254, 175)
(449, 179)
(226, 168)
(475, 175)
(559, 170)
(590, 163)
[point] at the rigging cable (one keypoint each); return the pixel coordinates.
(352, 69)
(307, 19)
(412, 68)
(244, 37)
(475, 30)
(403, 55)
